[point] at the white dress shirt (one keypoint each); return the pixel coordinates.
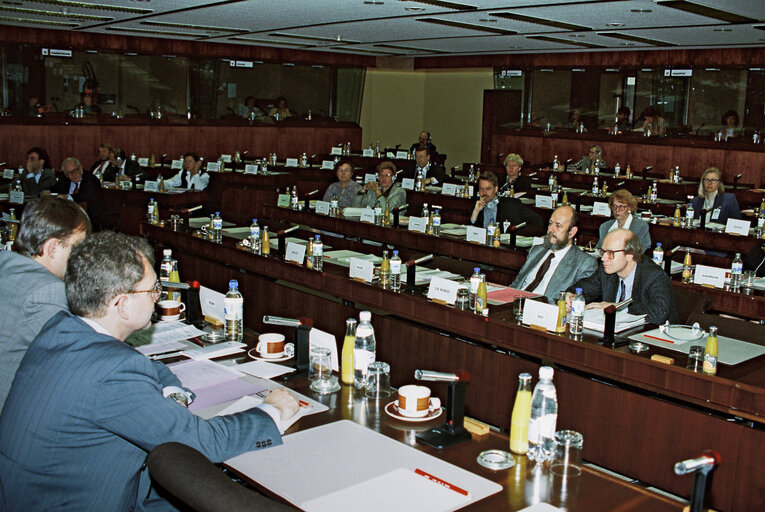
(557, 258)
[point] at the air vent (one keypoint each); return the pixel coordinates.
(152, 32)
(47, 23)
(204, 28)
(445, 5)
(57, 14)
(580, 44)
(95, 7)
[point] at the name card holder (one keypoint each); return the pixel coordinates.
(226, 158)
(295, 253)
(369, 153)
(449, 189)
(476, 235)
(143, 162)
(176, 164)
(407, 183)
(327, 164)
(213, 167)
(709, 276)
(336, 151)
(443, 291)
(601, 208)
(402, 155)
(283, 201)
(738, 227)
(539, 315)
(361, 270)
(291, 162)
(7, 174)
(322, 207)
(251, 169)
(543, 201)
(150, 186)
(370, 178)
(418, 224)
(368, 215)
(16, 197)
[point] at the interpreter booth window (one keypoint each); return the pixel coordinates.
(616, 90)
(551, 98)
(23, 86)
(510, 87)
(713, 93)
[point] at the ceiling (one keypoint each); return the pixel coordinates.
(413, 28)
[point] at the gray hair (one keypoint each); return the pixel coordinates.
(633, 246)
(104, 265)
(72, 160)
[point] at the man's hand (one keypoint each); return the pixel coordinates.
(284, 401)
(598, 305)
(569, 298)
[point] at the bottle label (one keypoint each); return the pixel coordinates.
(737, 267)
(362, 358)
(474, 281)
(318, 250)
(577, 307)
(395, 267)
(710, 364)
(658, 257)
(217, 223)
(255, 232)
(232, 308)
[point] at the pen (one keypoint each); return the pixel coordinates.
(660, 339)
(442, 482)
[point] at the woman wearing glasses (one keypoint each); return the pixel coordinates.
(623, 207)
(719, 205)
(386, 192)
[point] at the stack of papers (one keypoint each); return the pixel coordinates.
(595, 320)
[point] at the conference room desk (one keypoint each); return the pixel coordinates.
(637, 416)
(126, 209)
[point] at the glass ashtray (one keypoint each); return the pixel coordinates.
(681, 332)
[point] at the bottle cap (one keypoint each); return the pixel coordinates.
(167, 252)
(525, 377)
(233, 283)
(578, 290)
(658, 244)
(254, 221)
(395, 252)
(318, 237)
(217, 213)
(365, 316)
(476, 270)
(545, 372)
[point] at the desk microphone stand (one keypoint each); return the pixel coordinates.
(702, 466)
(452, 432)
(303, 328)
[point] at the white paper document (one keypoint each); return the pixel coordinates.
(161, 333)
(264, 369)
(595, 319)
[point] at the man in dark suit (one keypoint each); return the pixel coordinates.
(104, 151)
(501, 209)
(40, 176)
(626, 274)
(424, 142)
(119, 165)
(432, 173)
(82, 187)
(86, 408)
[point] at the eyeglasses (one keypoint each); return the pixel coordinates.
(609, 253)
(156, 292)
(620, 207)
(711, 180)
(385, 175)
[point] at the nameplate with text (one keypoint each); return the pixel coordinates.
(601, 208)
(143, 162)
(294, 253)
(449, 189)
(443, 290)
(322, 207)
(738, 227)
(251, 169)
(418, 224)
(711, 276)
(176, 164)
(407, 183)
(402, 155)
(336, 151)
(16, 197)
(476, 235)
(367, 215)
(543, 201)
(370, 177)
(226, 158)
(361, 269)
(291, 162)
(541, 314)
(150, 186)
(328, 164)
(369, 153)
(283, 201)
(213, 167)
(8, 174)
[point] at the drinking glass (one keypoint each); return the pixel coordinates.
(695, 358)
(378, 380)
(568, 453)
(320, 371)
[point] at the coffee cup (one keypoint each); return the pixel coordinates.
(415, 401)
(170, 309)
(270, 345)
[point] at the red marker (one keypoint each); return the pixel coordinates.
(441, 482)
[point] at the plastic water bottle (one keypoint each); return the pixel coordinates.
(475, 280)
(736, 269)
(658, 254)
(544, 416)
(689, 214)
(166, 266)
(318, 254)
(364, 349)
(217, 228)
(233, 309)
(436, 220)
(395, 272)
(378, 214)
(577, 313)
(255, 236)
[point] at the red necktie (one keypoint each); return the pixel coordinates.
(76, 189)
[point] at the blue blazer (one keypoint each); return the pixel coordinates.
(726, 202)
(83, 413)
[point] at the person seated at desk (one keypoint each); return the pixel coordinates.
(730, 124)
(32, 277)
(249, 110)
(557, 263)
(40, 177)
(574, 120)
(280, 110)
(622, 122)
(593, 156)
(624, 274)
(424, 142)
(81, 187)
(502, 209)
(623, 207)
(85, 408)
(653, 120)
(386, 192)
(191, 177)
(719, 205)
(120, 166)
(515, 180)
(87, 102)
(104, 153)
(432, 173)
(344, 188)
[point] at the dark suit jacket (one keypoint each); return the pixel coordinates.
(726, 202)
(652, 293)
(85, 411)
(131, 169)
(435, 171)
(97, 165)
(90, 193)
(521, 184)
(33, 188)
(512, 210)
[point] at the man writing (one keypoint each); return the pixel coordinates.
(625, 274)
(556, 264)
(86, 408)
(501, 209)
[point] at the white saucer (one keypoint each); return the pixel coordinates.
(392, 410)
(256, 356)
(172, 319)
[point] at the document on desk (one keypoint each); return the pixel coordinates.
(507, 294)
(366, 467)
(595, 319)
(163, 337)
(212, 383)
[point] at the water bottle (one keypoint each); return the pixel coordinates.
(418, 183)
(595, 187)
(334, 206)
(544, 416)
(318, 254)
(217, 228)
(294, 199)
(577, 313)
(436, 220)
(490, 232)
(556, 163)
(166, 266)
(475, 280)
(255, 237)
(378, 214)
(658, 254)
(736, 269)
(395, 272)
(363, 349)
(150, 211)
(233, 309)
(617, 169)
(425, 211)
(689, 213)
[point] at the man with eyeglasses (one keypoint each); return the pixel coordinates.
(85, 408)
(718, 204)
(82, 187)
(557, 263)
(625, 274)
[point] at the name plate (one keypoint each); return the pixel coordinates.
(476, 234)
(712, 276)
(361, 269)
(322, 207)
(294, 253)
(390, 154)
(738, 227)
(407, 183)
(150, 186)
(328, 164)
(283, 201)
(367, 215)
(213, 167)
(291, 162)
(543, 201)
(449, 189)
(443, 290)
(418, 224)
(8, 174)
(402, 155)
(368, 153)
(370, 178)
(251, 169)
(539, 313)
(176, 164)
(16, 197)
(336, 151)
(226, 158)
(601, 208)
(143, 162)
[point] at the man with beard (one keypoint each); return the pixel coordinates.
(501, 209)
(556, 264)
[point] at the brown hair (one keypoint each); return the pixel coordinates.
(49, 217)
(625, 197)
(490, 177)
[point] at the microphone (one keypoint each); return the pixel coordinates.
(423, 259)
(699, 128)
(286, 231)
(706, 461)
(620, 184)
(278, 320)
(429, 375)
(403, 207)
(532, 174)
(188, 210)
(518, 226)
(309, 194)
(735, 180)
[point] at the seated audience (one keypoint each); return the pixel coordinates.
(432, 173)
(588, 161)
(424, 142)
(719, 205)
(519, 183)
(120, 166)
(623, 207)
(280, 108)
(82, 187)
(574, 119)
(87, 102)
(104, 153)
(192, 176)
(386, 192)
(623, 124)
(501, 209)
(653, 120)
(249, 109)
(730, 125)
(40, 177)
(344, 188)
(85, 408)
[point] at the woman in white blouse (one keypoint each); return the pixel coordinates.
(191, 176)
